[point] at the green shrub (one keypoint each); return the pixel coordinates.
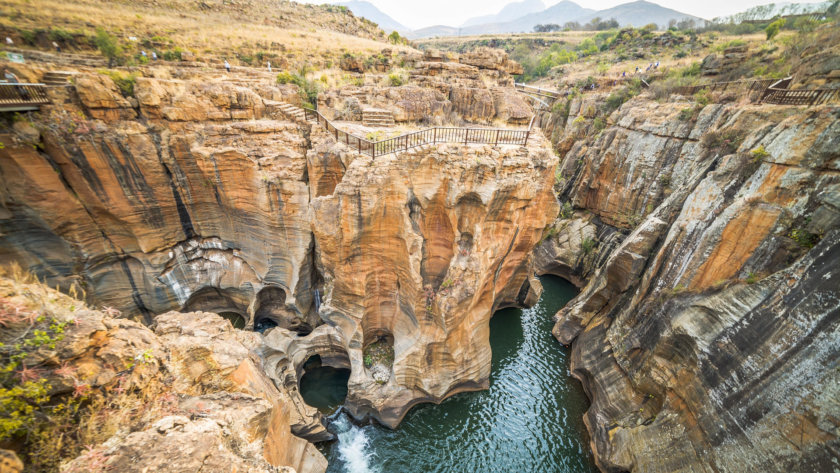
(57, 34)
(124, 82)
(617, 98)
(173, 55)
(567, 211)
(587, 245)
(395, 38)
(723, 142)
(29, 37)
(24, 391)
(285, 78)
(759, 154)
(395, 79)
(108, 46)
(773, 28)
(804, 238)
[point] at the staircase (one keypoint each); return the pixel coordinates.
(295, 114)
(58, 78)
(377, 118)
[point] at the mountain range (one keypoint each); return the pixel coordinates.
(374, 14)
(521, 16)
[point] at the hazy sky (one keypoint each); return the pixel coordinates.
(419, 13)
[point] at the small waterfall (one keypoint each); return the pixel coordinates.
(317, 301)
(352, 445)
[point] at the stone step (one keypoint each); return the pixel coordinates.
(58, 77)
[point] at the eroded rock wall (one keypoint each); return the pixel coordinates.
(203, 196)
(423, 247)
(707, 339)
(209, 188)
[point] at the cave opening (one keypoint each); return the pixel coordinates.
(230, 304)
(323, 386)
(271, 311)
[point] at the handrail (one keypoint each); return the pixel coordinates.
(552, 94)
(494, 136)
(752, 85)
(807, 97)
(20, 94)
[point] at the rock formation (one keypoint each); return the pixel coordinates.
(185, 395)
(707, 336)
(203, 196)
(478, 89)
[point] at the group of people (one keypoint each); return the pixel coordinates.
(227, 65)
(651, 66)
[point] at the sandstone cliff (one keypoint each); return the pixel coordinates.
(706, 333)
(187, 394)
(202, 195)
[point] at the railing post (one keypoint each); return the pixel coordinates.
(434, 136)
(466, 137)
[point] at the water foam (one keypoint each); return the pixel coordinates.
(353, 446)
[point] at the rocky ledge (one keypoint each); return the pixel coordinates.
(706, 331)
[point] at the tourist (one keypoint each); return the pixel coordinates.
(227, 66)
(56, 46)
(143, 53)
(154, 56)
(269, 66)
(11, 78)
(9, 41)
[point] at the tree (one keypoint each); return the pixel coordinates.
(395, 38)
(773, 28)
(108, 46)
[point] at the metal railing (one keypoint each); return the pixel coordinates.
(493, 136)
(18, 96)
(778, 93)
(748, 85)
(551, 94)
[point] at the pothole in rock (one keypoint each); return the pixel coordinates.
(379, 357)
(230, 304)
(323, 387)
(270, 311)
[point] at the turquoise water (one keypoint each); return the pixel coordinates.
(323, 387)
(530, 420)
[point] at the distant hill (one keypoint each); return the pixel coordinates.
(558, 14)
(637, 13)
(369, 11)
(640, 13)
(510, 12)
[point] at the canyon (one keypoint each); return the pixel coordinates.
(206, 241)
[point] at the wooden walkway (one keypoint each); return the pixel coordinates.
(429, 136)
(17, 97)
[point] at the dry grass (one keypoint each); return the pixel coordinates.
(296, 31)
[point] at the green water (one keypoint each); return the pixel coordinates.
(530, 420)
(323, 387)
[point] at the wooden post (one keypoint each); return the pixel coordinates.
(434, 136)
(527, 134)
(497, 137)
(466, 136)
